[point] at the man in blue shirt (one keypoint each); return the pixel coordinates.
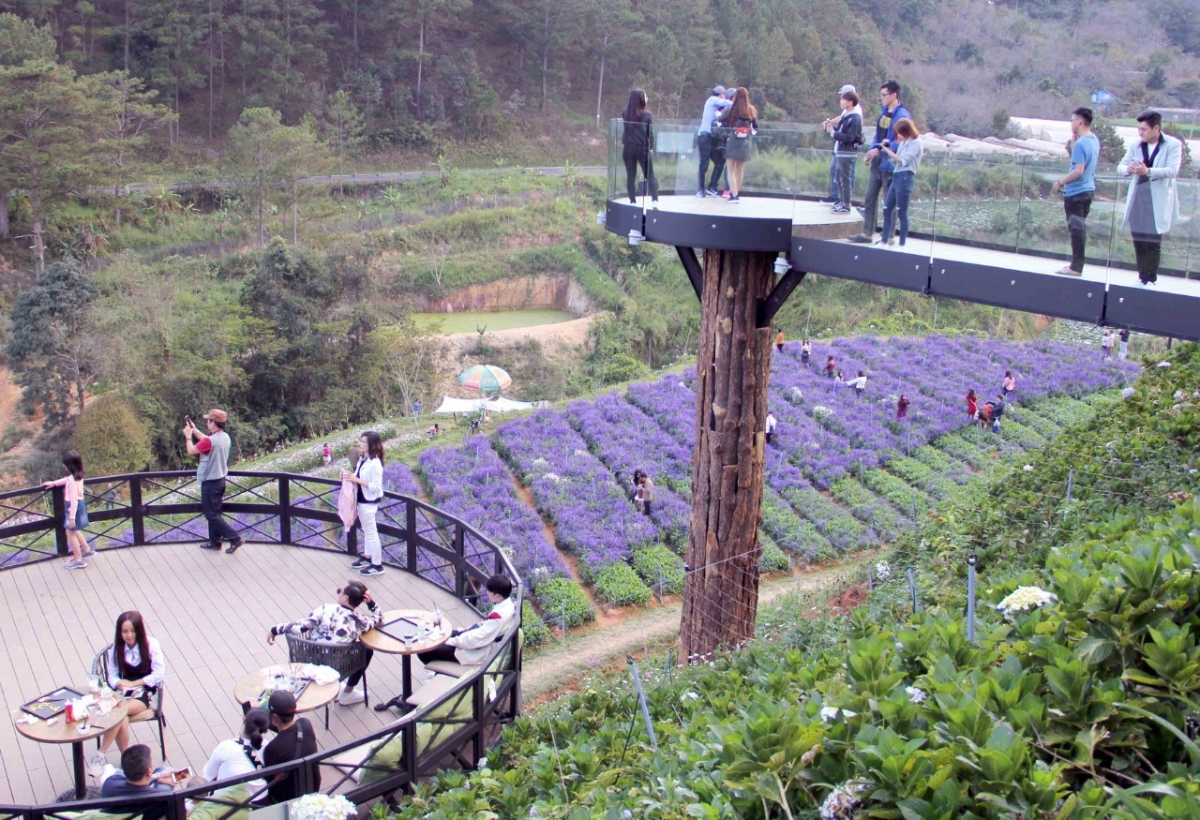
(137, 779)
(710, 144)
(1079, 186)
(891, 111)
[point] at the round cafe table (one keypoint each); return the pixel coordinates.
(43, 731)
(250, 686)
(388, 638)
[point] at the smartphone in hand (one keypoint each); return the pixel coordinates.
(180, 775)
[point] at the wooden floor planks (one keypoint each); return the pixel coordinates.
(210, 611)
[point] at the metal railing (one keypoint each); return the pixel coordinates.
(146, 509)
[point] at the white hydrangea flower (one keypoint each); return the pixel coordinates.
(883, 571)
(581, 453)
(1180, 395)
(1127, 393)
(1163, 365)
(686, 696)
(321, 807)
(539, 463)
(844, 799)
(1028, 468)
(555, 477)
(1024, 598)
(830, 713)
(821, 411)
(915, 695)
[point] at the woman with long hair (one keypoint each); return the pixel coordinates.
(136, 669)
(368, 475)
(77, 517)
(906, 157)
(636, 142)
(742, 121)
(241, 754)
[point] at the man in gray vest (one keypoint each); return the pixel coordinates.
(213, 450)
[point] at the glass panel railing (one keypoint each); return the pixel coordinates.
(1188, 227)
(616, 168)
(976, 199)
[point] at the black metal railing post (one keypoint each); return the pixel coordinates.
(59, 504)
(410, 752)
(477, 738)
(410, 535)
(136, 511)
(285, 510)
(460, 563)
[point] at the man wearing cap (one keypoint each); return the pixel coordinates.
(293, 740)
(711, 146)
(831, 125)
(213, 450)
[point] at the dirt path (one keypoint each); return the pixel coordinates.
(555, 667)
(566, 334)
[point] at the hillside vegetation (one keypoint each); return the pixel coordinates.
(1077, 697)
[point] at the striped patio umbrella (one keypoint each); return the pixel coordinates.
(485, 378)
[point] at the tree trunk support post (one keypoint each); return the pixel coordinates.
(739, 297)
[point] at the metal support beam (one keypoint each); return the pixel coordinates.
(694, 271)
(779, 294)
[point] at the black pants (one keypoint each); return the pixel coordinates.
(634, 158)
(354, 678)
(877, 185)
(445, 652)
(212, 494)
(704, 144)
(845, 177)
(1077, 208)
(1147, 247)
(646, 506)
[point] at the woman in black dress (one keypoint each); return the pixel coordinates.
(742, 121)
(636, 143)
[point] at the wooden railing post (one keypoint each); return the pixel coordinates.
(285, 510)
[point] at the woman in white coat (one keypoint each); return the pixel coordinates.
(1152, 204)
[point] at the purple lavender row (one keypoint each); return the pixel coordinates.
(471, 483)
(572, 488)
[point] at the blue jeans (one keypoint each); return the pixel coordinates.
(212, 495)
(898, 195)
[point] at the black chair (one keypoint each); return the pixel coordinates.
(346, 658)
(154, 713)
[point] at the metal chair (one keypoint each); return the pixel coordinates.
(154, 713)
(346, 658)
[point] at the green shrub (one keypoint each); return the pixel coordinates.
(535, 629)
(619, 584)
(111, 438)
(661, 569)
(773, 558)
(563, 601)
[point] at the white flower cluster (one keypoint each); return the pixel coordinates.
(1127, 393)
(320, 807)
(795, 395)
(581, 453)
(821, 411)
(1163, 365)
(1024, 598)
(915, 695)
(830, 713)
(844, 799)
(686, 696)
(555, 477)
(1028, 468)
(883, 571)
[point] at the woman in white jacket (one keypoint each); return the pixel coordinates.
(1152, 204)
(368, 475)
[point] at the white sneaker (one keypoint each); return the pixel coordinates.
(351, 697)
(96, 764)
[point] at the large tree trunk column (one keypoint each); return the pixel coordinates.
(720, 599)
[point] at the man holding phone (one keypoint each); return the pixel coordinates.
(213, 450)
(138, 779)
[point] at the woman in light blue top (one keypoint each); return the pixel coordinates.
(368, 475)
(906, 157)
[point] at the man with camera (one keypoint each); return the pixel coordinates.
(891, 111)
(213, 450)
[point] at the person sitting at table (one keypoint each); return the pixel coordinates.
(294, 739)
(135, 664)
(341, 622)
(138, 779)
(240, 755)
(470, 646)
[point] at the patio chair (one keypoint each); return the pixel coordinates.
(154, 713)
(346, 658)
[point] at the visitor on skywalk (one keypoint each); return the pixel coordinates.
(1106, 344)
(368, 478)
(847, 139)
(742, 120)
(831, 124)
(213, 450)
(1123, 336)
(710, 143)
(891, 112)
(340, 622)
(1079, 186)
(906, 159)
(637, 143)
(242, 754)
(136, 669)
(77, 517)
(1152, 204)
(805, 351)
(859, 383)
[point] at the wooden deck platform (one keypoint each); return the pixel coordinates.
(210, 611)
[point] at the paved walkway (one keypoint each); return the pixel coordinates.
(211, 613)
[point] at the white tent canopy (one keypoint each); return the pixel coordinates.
(492, 404)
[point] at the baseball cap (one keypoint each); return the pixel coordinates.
(847, 87)
(219, 416)
(282, 703)
(718, 89)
